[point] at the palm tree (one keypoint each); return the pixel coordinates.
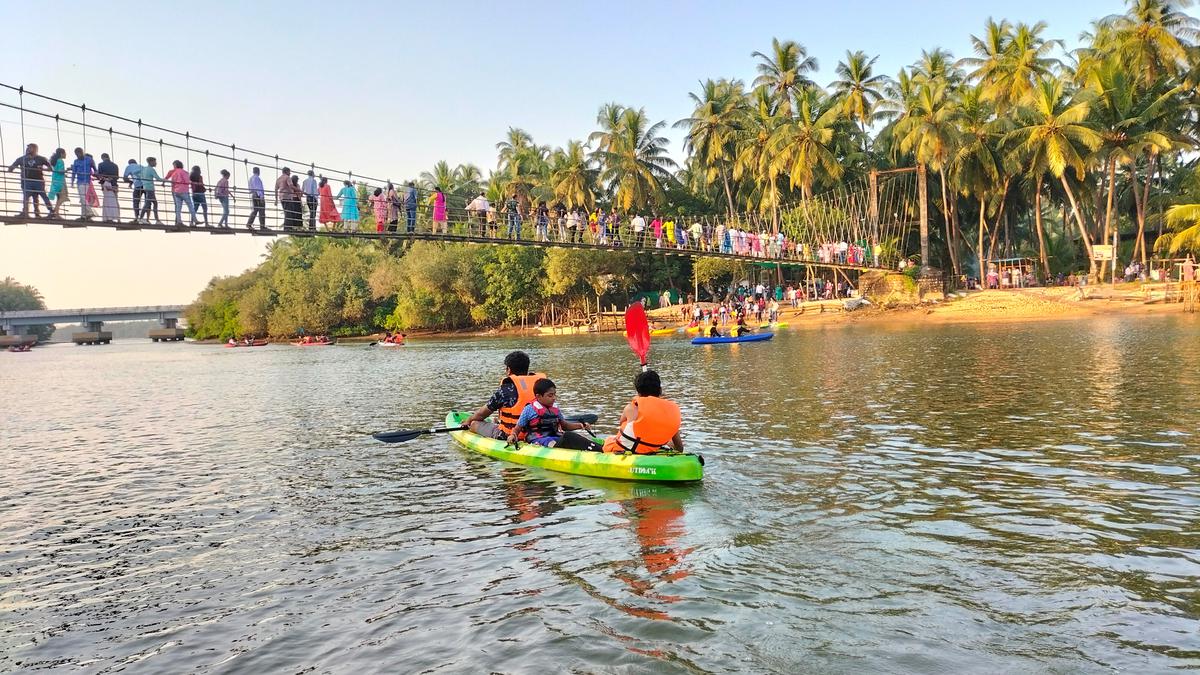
(1055, 137)
(785, 70)
(927, 129)
(990, 51)
(713, 128)
(1153, 37)
(1127, 120)
(804, 143)
(635, 163)
(522, 163)
(442, 177)
(572, 176)
(937, 66)
(609, 120)
(977, 165)
(756, 155)
(1025, 60)
(1185, 220)
(859, 89)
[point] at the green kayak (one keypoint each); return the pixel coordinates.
(662, 467)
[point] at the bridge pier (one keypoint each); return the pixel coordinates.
(94, 335)
(169, 332)
(10, 338)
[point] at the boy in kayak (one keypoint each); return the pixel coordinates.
(509, 400)
(542, 423)
(649, 422)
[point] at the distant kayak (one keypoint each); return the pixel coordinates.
(20, 349)
(254, 343)
(312, 344)
(753, 337)
(664, 331)
(391, 344)
(662, 467)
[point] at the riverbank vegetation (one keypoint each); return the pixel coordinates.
(1032, 150)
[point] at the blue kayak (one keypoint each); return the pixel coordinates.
(753, 337)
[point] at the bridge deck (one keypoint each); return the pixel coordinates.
(459, 233)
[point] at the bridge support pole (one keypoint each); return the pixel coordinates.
(94, 335)
(923, 195)
(169, 331)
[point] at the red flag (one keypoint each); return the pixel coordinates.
(637, 331)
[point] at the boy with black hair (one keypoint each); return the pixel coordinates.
(542, 423)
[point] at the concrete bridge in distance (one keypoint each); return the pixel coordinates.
(93, 319)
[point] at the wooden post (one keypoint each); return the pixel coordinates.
(922, 194)
(873, 206)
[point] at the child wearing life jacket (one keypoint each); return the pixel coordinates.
(542, 423)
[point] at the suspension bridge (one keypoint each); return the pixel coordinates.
(856, 227)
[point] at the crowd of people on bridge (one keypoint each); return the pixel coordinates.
(303, 203)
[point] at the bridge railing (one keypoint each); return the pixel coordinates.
(28, 200)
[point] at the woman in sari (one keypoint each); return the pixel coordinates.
(329, 212)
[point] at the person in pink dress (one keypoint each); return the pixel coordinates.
(379, 205)
(657, 229)
(439, 212)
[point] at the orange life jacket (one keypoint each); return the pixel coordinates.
(657, 422)
(508, 416)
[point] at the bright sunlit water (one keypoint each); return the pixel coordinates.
(956, 499)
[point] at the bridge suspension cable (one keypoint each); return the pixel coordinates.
(864, 223)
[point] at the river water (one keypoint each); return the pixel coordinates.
(955, 499)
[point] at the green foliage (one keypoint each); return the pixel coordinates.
(15, 296)
(514, 284)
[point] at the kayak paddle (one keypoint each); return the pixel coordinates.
(404, 435)
(637, 332)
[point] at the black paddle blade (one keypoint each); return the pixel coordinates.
(403, 435)
(399, 436)
(586, 418)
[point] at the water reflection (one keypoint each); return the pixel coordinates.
(1019, 498)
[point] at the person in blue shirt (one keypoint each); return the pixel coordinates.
(150, 179)
(258, 199)
(82, 170)
(410, 206)
(133, 178)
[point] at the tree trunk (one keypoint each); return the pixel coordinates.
(1087, 240)
(982, 227)
(1139, 208)
(728, 193)
(1112, 187)
(946, 222)
(1037, 224)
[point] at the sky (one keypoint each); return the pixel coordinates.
(388, 88)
